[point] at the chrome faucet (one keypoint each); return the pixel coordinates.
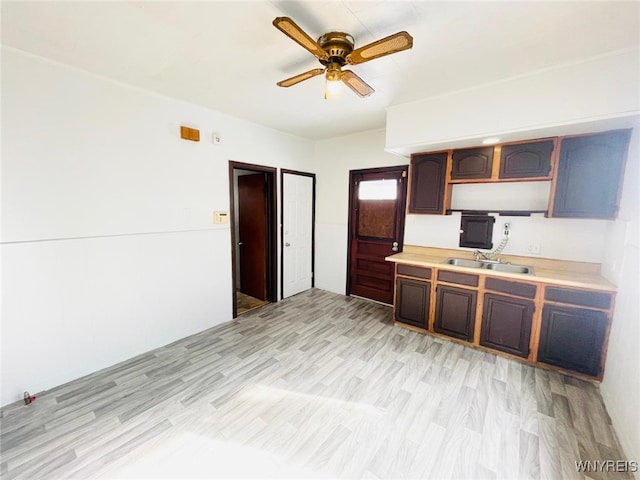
(493, 256)
(486, 257)
(477, 254)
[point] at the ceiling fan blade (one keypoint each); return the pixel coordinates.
(391, 44)
(294, 32)
(300, 77)
(355, 83)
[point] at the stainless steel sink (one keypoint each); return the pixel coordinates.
(490, 265)
(463, 262)
(506, 267)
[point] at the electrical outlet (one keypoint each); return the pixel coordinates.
(534, 248)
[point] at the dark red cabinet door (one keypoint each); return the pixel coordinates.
(455, 311)
(506, 324)
(428, 178)
(472, 163)
(412, 302)
(590, 175)
(526, 160)
(572, 338)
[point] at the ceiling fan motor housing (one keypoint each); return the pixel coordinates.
(337, 45)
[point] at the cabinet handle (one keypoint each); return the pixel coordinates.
(395, 246)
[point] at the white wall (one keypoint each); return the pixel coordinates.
(333, 160)
(108, 246)
(621, 384)
(548, 100)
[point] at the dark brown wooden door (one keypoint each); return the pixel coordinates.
(506, 324)
(376, 230)
(252, 226)
(455, 311)
(472, 163)
(412, 302)
(526, 160)
(572, 338)
(590, 175)
(428, 183)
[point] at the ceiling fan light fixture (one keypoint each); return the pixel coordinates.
(332, 88)
(333, 79)
(336, 49)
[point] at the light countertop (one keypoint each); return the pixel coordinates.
(560, 272)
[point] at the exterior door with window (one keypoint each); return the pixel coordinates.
(376, 230)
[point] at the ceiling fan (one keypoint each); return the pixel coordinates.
(336, 49)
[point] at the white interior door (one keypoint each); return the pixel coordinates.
(297, 227)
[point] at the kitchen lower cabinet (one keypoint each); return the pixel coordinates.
(455, 311)
(551, 325)
(412, 302)
(506, 324)
(572, 338)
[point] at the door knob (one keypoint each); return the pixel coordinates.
(395, 246)
(239, 244)
(287, 244)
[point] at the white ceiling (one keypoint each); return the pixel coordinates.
(228, 56)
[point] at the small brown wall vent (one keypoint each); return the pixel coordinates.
(190, 134)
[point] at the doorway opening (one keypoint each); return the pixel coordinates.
(253, 236)
(377, 200)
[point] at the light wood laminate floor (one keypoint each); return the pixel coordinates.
(318, 385)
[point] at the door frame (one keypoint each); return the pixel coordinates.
(313, 225)
(272, 232)
(352, 173)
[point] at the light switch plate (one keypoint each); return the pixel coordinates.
(220, 217)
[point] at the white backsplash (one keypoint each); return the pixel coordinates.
(560, 238)
(501, 196)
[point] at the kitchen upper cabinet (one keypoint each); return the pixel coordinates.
(589, 175)
(412, 302)
(455, 311)
(506, 324)
(572, 338)
(526, 160)
(472, 163)
(428, 183)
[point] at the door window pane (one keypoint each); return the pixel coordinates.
(376, 218)
(377, 190)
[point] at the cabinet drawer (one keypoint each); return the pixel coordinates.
(585, 298)
(456, 277)
(525, 290)
(414, 271)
